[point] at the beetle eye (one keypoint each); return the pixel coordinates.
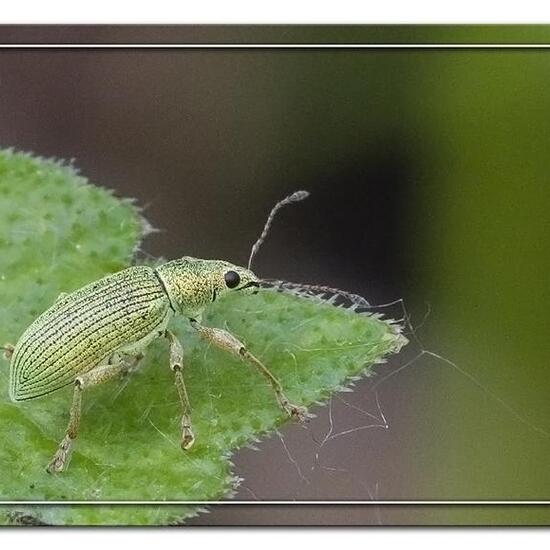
(232, 279)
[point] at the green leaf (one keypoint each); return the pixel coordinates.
(57, 232)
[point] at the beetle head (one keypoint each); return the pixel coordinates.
(226, 277)
(192, 284)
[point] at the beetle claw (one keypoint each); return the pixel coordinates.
(57, 464)
(59, 460)
(297, 413)
(187, 439)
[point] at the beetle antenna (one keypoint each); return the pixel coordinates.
(295, 197)
(321, 291)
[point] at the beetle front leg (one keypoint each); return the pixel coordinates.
(176, 364)
(226, 341)
(94, 377)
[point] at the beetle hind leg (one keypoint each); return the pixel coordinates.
(98, 375)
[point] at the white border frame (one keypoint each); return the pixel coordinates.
(273, 502)
(139, 46)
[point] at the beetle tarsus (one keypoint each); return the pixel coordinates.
(187, 437)
(8, 351)
(296, 412)
(59, 460)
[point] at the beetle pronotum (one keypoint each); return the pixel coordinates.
(100, 331)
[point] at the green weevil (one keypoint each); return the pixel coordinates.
(101, 330)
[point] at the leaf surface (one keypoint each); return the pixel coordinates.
(57, 232)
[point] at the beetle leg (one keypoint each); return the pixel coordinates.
(176, 364)
(131, 363)
(8, 350)
(96, 376)
(227, 342)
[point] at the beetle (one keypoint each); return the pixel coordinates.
(101, 331)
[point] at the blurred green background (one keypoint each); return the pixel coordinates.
(429, 173)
